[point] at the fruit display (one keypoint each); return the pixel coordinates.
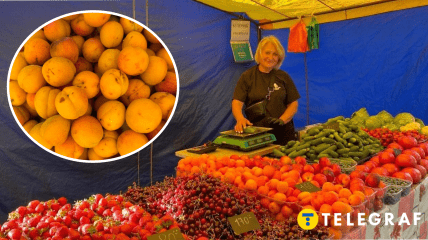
(387, 136)
(92, 86)
(344, 140)
(98, 217)
(201, 205)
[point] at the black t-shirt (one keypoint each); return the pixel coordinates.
(253, 87)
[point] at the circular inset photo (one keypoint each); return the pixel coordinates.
(93, 85)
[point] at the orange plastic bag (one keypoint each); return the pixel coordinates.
(298, 38)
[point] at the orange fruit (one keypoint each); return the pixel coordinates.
(344, 200)
(337, 188)
(294, 174)
(251, 185)
(269, 171)
(282, 187)
(345, 193)
(272, 184)
(360, 194)
(257, 171)
(354, 200)
(277, 175)
(274, 207)
(240, 163)
(195, 170)
(286, 211)
(229, 177)
(265, 202)
(334, 233)
(331, 197)
(263, 190)
(194, 161)
(279, 197)
(328, 186)
(340, 207)
(271, 193)
(326, 208)
(303, 195)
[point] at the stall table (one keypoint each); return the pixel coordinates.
(221, 152)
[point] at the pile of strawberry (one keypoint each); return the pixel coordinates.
(98, 217)
(387, 136)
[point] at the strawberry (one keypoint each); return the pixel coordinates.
(73, 234)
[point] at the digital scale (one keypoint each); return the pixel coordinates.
(245, 141)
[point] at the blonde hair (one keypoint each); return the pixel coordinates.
(279, 48)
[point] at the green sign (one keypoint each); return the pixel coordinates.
(241, 51)
(307, 187)
(244, 223)
(173, 234)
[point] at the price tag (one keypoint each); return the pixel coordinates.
(397, 152)
(307, 187)
(173, 234)
(244, 223)
(334, 126)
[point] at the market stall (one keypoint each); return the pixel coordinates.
(376, 61)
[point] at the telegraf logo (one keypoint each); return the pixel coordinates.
(359, 219)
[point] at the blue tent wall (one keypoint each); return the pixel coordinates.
(378, 62)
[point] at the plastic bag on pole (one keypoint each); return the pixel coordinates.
(298, 38)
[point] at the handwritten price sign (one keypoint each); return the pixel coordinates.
(244, 223)
(173, 234)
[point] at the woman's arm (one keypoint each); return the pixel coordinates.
(289, 112)
(241, 121)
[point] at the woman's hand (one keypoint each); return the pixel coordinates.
(241, 124)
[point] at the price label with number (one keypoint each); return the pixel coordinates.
(307, 187)
(173, 234)
(244, 223)
(334, 126)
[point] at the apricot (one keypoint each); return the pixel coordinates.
(89, 82)
(129, 141)
(155, 132)
(79, 40)
(65, 47)
(96, 19)
(108, 60)
(93, 156)
(32, 111)
(340, 207)
(55, 130)
(134, 39)
(29, 125)
(39, 34)
(137, 89)
(143, 115)
(57, 30)
(30, 78)
(113, 84)
(44, 101)
(133, 60)
(100, 101)
(111, 34)
(166, 103)
(35, 134)
(83, 65)
(129, 26)
(169, 84)
(155, 47)
(71, 102)
(110, 134)
(17, 94)
(18, 64)
(84, 155)
(36, 51)
(150, 52)
(106, 148)
(80, 27)
(156, 71)
(71, 17)
(150, 37)
(58, 71)
(87, 131)
(21, 114)
(111, 115)
(164, 54)
(92, 49)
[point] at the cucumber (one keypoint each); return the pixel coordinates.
(298, 153)
(323, 155)
(306, 145)
(338, 138)
(348, 135)
(342, 129)
(290, 143)
(277, 153)
(322, 134)
(316, 142)
(308, 138)
(321, 147)
(355, 154)
(313, 131)
(340, 145)
(333, 154)
(335, 119)
(354, 148)
(343, 151)
(327, 140)
(353, 140)
(331, 148)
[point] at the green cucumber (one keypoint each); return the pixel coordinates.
(327, 140)
(298, 153)
(348, 135)
(321, 147)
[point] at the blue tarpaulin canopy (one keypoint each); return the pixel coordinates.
(378, 62)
